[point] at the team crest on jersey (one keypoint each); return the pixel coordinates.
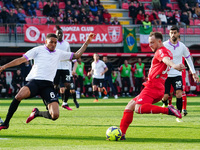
(114, 33)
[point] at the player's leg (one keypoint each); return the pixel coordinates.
(81, 85)
(105, 85)
(123, 85)
(95, 89)
(50, 100)
(184, 98)
(128, 86)
(167, 92)
(22, 94)
(73, 92)
(127, 117)
(66, 79)
(112, 87)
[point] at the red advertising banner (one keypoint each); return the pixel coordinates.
(106, 34)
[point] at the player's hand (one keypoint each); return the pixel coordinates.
(102, 73)
(195, 77)
(90, 37)
(179, 67)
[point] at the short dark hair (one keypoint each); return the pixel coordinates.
(51, 35)
(174, 28)
(158, 35)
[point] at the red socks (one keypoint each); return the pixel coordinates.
(184, 100)
(170, 100)
(153, 109)
(126, 120)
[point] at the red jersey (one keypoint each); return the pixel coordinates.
(159, 69)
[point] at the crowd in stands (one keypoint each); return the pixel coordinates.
(72, 12)
(162, 13)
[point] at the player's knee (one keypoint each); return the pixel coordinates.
(55, 116)
(137, 108)
(179, 94)
(19, 96)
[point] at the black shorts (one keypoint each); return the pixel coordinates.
(98, 82)
(63, 76)
(176, 82)
(72, 85)
(43, 88)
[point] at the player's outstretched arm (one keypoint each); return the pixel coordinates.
(13, 63)
(170, 63)
(84, 46)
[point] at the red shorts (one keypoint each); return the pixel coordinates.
(152, 93)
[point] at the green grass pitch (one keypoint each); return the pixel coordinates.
(85, 128)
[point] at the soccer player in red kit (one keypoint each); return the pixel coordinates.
(154, 87)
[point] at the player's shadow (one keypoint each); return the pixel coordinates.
(95, 138)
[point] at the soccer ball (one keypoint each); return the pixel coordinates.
(113, 133)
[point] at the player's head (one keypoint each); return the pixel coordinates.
(59, 33)
(155, 40)
(96, 56)
(139, 60)
(105, 59)
(79, 60)
(51, 41)
(174, 33)
(126, 62)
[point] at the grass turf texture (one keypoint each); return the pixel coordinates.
(85, 128)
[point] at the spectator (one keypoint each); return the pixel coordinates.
(58, 20)
(76, 21)
(4, 87)
(162, 17)
(21, 16)
(107, 15)
(106, 22)
(181, 3)
(4, 15)
(61, 14)
(77, 16)
(177, 17)
(93, 8)
(188, 10)
(90, 15)
(8, 4)
(140, 17)
(194, 15)
(55, 9)
(69, 14)
(146, 23)
(96, 2)
(100, 7)
(47, 10)
(197, 10)
(88, 85)
(170, 19)
(25, 69)
(154, 18)
(140, 7)
(99, 14)
(18, 4)
(50, 20)
(156, 5)
(163, 4)
(35, 4)
(83, 13)
(115, 21)
(85, 6)
(96, 21)
(132, 12)
(12, 21)
(91, 20)
(84, 20)
(30, 9)
(17, 81)
(184, 19)
(70, 20)
(68, 6)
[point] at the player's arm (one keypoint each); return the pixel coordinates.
(13, 63)
(191, 66)
(84, 46)
(74, 68)
(170, 63)
(105, 70)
